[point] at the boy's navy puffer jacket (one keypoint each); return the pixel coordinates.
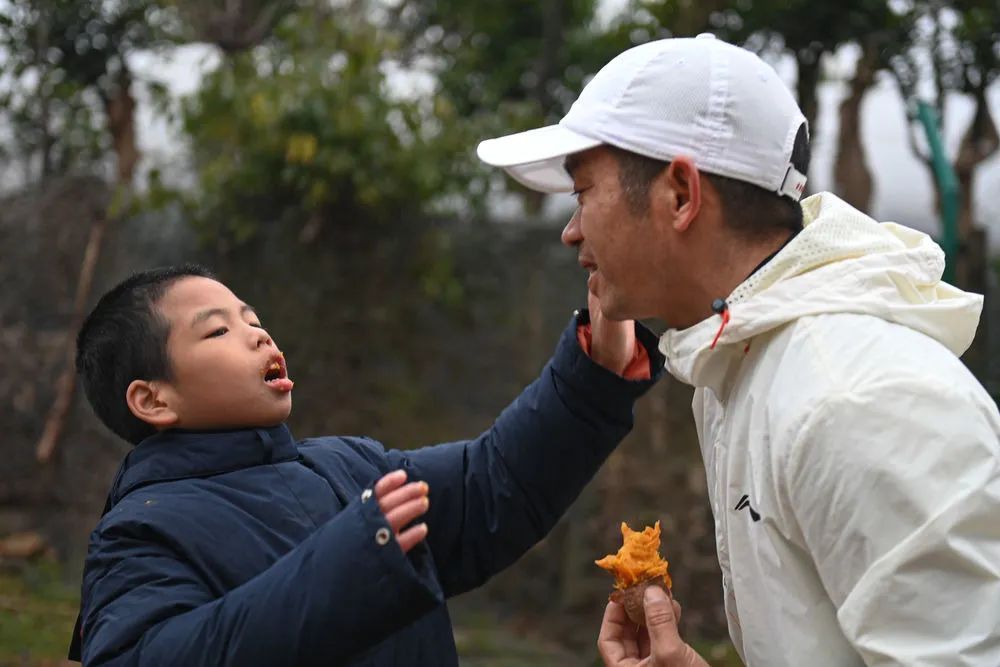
(247, 547)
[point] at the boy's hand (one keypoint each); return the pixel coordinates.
(612, 344)
(401, 503)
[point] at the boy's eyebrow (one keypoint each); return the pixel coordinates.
(205, 314)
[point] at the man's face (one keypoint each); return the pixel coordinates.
(226, 370)
(619, 248)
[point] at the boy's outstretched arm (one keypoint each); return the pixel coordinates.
(146, 605)
(494, 497)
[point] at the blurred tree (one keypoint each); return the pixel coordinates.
(319, 126)
(506, 66)
(233, 25)
(962, 38)
(70, 100)
(528, 52)
(807, 31)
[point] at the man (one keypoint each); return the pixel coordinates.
(852, 461)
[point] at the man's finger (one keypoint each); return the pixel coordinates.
(390, 482)
(406, 513)
(405, 493)
(616, 641)
(668, 649)
(661, 623)
(411, 537)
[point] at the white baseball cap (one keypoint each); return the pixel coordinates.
(716, 103)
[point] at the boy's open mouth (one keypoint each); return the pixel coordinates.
(275, 373)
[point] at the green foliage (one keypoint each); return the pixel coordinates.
(305, 130)
(521, 51)
(64, 58)
(506, 67)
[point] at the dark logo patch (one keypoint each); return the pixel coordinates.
(745, 504)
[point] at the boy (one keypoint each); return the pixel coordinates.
(226, 542)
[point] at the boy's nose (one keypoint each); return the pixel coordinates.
(571, 234)
(263, 338)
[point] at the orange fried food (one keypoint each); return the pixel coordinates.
(639, 558)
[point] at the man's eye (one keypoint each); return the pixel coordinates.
(258, 325)
(221, 331)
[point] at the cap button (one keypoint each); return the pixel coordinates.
(705, 35)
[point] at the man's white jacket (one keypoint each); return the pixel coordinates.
(852, 461)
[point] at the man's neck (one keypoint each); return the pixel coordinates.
(735, 262)
(746, 259)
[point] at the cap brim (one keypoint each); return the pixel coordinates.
(535, 158)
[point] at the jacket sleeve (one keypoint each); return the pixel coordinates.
(896, 491)
(494, 497)
(321, 603)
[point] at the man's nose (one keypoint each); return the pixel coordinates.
(571, 234)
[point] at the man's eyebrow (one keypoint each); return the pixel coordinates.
(205, 314)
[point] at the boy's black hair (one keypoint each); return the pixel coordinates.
(749, 209)
(124, 339)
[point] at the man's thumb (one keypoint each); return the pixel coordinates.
(660, 619)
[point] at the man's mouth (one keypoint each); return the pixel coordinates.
(275, 374)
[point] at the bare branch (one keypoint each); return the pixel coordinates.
(66, 385)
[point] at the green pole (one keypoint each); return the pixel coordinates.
(947, 185)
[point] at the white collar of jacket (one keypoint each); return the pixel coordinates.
(842, 262)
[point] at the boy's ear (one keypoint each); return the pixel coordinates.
(148, 401)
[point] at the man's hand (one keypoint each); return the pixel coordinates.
(612, 344)
(402, 503)
(657, 644)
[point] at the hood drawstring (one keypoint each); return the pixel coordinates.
(720, 307)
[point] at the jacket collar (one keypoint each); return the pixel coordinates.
(842, 262)
(178, 454)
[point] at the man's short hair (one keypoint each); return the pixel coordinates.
(124, 339)
(749, 209)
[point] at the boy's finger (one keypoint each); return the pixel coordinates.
(390, 482)
(405, 493)
(411, 537)
(406, 513)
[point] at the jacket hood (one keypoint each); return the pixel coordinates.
(842, 262)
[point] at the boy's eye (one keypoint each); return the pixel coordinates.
(221, 331)
(257, 325)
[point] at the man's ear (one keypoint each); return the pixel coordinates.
(680, 191)
(149, 401)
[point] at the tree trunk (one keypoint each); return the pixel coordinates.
(852, 176)
(120, 109)
(66, 384)
(808, 78)
(979, 143)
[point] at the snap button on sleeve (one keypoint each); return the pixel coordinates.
(365, 495)
(382, 536)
